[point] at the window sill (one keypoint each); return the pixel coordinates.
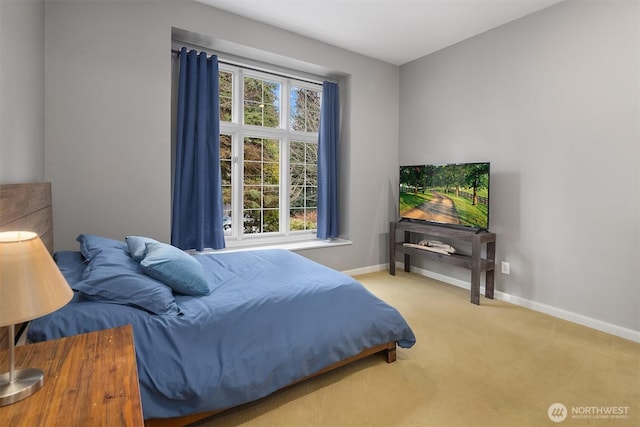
(300, 245)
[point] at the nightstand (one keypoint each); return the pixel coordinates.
(89, 380)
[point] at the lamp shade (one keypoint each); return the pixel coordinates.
(31, 285)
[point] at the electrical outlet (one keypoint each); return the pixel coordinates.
(505, 268)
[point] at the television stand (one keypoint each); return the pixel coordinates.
(475, 262)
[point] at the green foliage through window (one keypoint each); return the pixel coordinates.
(261, 102)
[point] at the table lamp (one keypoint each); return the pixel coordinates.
(31, 285)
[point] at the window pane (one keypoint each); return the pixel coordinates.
(312, 219)
(311, 194)
(298, 175)
(311, 176)
(303, 219)
(261, 199)
(253, 90)
(311, 153)
(261, 221)
(271, 116)
(296, 152)
(303, 185)
(252, 113)
(271, 196)
(305, 109)
(271, 173)
(252, 220)
(296, 198)
(225, 169)
(253, 149)
(271, 150)
(271, 222)
(225, 80)
(225, 159)
(252, 197)
(261, 102)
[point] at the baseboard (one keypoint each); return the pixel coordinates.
(367, 270)
(570, 316)
(580, 319)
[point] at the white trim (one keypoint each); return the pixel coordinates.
(580, 319)
(366, 270)
(559, 313)
(315, 244)
(300, 245)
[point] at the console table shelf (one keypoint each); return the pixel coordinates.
(475, 262)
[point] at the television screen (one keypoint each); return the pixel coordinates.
(454, 194)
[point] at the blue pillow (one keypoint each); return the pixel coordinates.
(175, 268)
(138, 245)
(113, 276)
(91, 245)
(138, 291)
(71, 265)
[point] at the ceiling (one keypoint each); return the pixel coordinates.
(394, 31)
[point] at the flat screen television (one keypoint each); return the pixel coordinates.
(454, 194)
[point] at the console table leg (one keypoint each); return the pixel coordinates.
(488, 286)
(475, 287)
(407, 258)
(490, 275)
(392, 248)
(475, 270)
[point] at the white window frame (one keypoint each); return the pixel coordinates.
(238, 131)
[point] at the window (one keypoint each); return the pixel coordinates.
(268, 154)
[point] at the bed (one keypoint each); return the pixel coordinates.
(213, 331)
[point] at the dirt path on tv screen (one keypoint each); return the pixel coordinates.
(440, 208)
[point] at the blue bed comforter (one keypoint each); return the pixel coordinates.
(272, 317)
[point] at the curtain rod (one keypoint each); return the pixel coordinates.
(177, 52)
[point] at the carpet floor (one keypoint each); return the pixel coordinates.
(491, 365)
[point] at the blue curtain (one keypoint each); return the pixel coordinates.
(197, 187)
(328, 225)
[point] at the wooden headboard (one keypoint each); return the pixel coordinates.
(26, 207)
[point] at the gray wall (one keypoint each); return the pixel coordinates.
(21, 91)
(551, 100)
(108, 118)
